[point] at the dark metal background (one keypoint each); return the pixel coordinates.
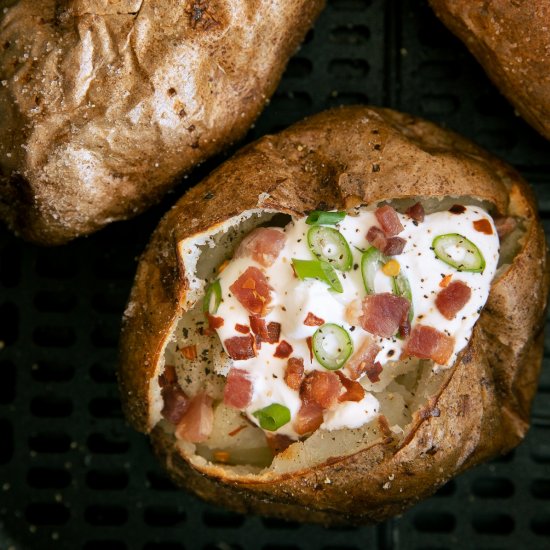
(72, 473)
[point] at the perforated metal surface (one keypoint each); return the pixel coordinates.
(73, 475)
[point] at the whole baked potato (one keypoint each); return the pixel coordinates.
(511, 41)
(105, 103)
(334, 433)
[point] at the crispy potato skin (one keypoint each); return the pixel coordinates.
(105, 103)
(510, 40)
(337, 158)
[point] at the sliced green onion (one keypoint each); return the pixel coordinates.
(315, 269)
(273, 416)
(332, 346)
(330, 245)
(212, 298)
(467, 255)
(318, 217)
(402, 287)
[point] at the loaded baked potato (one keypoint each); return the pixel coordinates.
(511, 41)
(104, 103)
(338, 319)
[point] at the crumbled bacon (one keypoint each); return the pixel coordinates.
(453, 298)
(294, 373)
(416, 212)
(214, 322)
(384, 313)
(313, 321)
(321, 387)
(264, 245)
(353, 391)
(243, 329)
(308, 418)
(175, 402)
(189, 352)
(373, 372)
(283, 350)
(238, 389)
(391, 246)
(389, 220)
(273, 332)
(483, 226)
(309, 342)
(196, 424)
(505, 226)
(394, 246)
(278, 442)
(376, 237)
(269, 332)
(405, 328)
(427, 342)
(168, 377)
(240, 347)
(363, 359)
(253, 291)
(457, 209)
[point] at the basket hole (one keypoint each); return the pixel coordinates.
(103, 373)
(50, 442)
(349, 34)
(105, 335)
(163, 546)
(291, 101)
(104, 545)
(109, 302)
(54, 337)
(105, 515)
(105, 407)
(160, 482)
(113, 266)
(48, 478)
(498, 139)
(221, 519)
(47, 513)
(9, 323)
(350, 5)
(51, 406)
(107, 480)
(6, 448)
(540, 525)
(540, 445)
(7, 387)
(163, 516)
(504, 459)
(493, 524)
(102, 444)
(54, 302)
(10, 266)
(493, 487)
(346, 98)
(56, 264)
(275, 523)
(439, 104)
(439, 70)
(540, 488)
(447, 490)
(434, 522)
(298, 67)
(493, 105)
(348, 68)
(50, 371)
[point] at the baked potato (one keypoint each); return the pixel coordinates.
(435, 417)
(510, 40)
(105, 103)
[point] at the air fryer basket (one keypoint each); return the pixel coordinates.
(73, 475)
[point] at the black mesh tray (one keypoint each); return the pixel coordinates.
(73, 475)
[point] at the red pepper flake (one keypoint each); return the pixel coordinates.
(444, 283)
(309, 341)
(313, 321)
(236, 430)
(214, 322)
(283, 350)
(373, 372)
(457, 209)
(189, 352)
(243, 329)
(483, 226)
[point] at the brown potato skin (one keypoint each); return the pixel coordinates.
(510, 40)
(334, 159)
(104, 104)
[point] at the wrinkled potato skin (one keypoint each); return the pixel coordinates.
(329, 161)
(510, 39)
(105, 103)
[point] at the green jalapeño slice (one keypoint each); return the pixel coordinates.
(329, 245)
(459, 252)
(332, 346)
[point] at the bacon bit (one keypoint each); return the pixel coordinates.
(221, 456)
(416, 212)
(444, 283)
(321, 387)
(258, 326)
(273, 332)
(223, 265)
(505, 226)
(309, 342)
(243, 329)
(457, 209)
(384, 313)
(196, 424)
(283, 350)
(452, 299)
(384, 425)
(240, 347)
(313, 321)
(294, 373)
(391, 268)
(264, 245)
(168, 377)
(405, 328)
(483, 226)
(234, 432)
(389, 220)
(238, 389)
(353, 390)
(308, 419)
(214, 322)
(278, 442)
(363, 359)
(175, 404)
(373, 372)
(253, 291)
(394, 246)
(269, 333)
(429, 343)
(376, 237)
(189, 352)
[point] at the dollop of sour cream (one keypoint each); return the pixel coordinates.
(293, 299)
